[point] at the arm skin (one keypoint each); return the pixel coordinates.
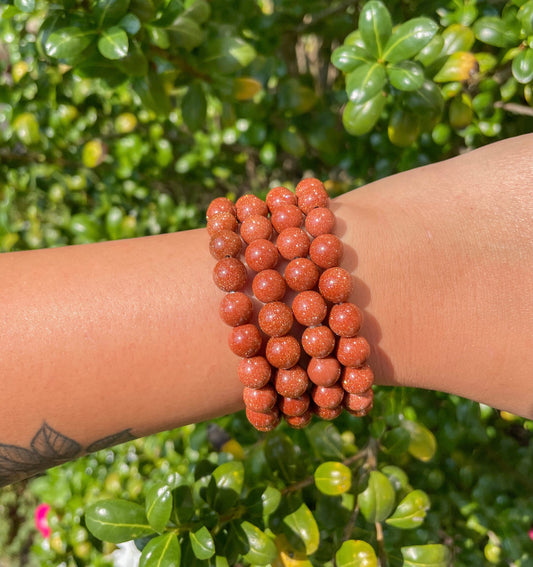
(124, 337)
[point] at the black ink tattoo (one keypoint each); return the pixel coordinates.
(48, 448)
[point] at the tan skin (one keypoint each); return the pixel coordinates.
(124, 335)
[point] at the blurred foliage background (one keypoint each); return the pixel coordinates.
(124, 118)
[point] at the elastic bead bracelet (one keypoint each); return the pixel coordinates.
(277, 381)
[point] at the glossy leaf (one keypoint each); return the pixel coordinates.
(356, 553)
(199, 11)
(26, 127)
(280, 456)
(185, 32)
(433, 555)
(395, 441)
(459, 66)
(375, 25)
(494, 31)
(426, 102)
(411, 511)
(159, 506)
(261, 548)
(245, 88)
(431, 52)
(230, 476)
(348, 57)
(397, 477)
(113, 43)
(130, 23)
(109, 12)
(457, 38)
(354, 38)
(522, 66)
(67, 42)
(406, 75)
(153, 94)
(183, 504)
(525, 16)
(228, 54)
(117, 520)
(202, 543)
(25, 5)
(194, 107)
(302, 527)
(409, 38)
(365, 82)
(404, 128)
(377, 501)
(333, 478)
(423, 443)
(162, 551)
(460, 115)
(359, 119)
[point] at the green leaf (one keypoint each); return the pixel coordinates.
(26, 127)
(494, 31)
(333, 478)
(523, 66)
(27, 6)
(459, 66)
(158, 506)
(109, 12)
(406, 75)
(375, 25)
(228, 55)
(423, 443)
(395, 441)
(358, 119)
(427, 102)
(457, 38)
(152, 92)
(262, 549)
(186, 33)
(113, 43)
(194, 107)
(411, 511)
(431, 52)
(347, 57)
(326, 440)
(525, 16)
(117, 521)
(270, 499)
(202, 543)
(281, 457)
(183, 504)
(365, 82)
(130, 23)
(199, 11)
(377, 501)
(301, 527)
(295, 97)
(409, 38)
(162, 551)
(433, 555)
(398, 478)
(67, 42)
(230, 476)
(356, 553)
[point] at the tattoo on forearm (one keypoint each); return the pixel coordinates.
(48, 448)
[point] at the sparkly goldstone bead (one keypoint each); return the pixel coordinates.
(291, 382)
(221, 221)
(250, 205)
(319, 221)
(261, 255)
(287, 216)
(345, 319)
(309, 308)
(261, 400)
(225, 243)
(283, 352)
(301, 274)
(318, 342)
(326, 251)
(299, 421)
(254, 372)
(357, 380)
(335, 284)
(308, 182)
(275, 319)
(311, 198)
(359, 402)
(236, 309)
(269, 285)
(324, 371)
(280, 196)
(264, 421)
(245, 340)
(353, 351)
(327, 396)
(293, 407)
(327, 413)
(229, 274)
(293, 243)
(221, 205)
(255, 227)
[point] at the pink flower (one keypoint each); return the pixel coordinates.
(41, 521)
(531, 533)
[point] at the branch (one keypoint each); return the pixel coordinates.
(515, 108)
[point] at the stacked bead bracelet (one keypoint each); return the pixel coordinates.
(298, 228)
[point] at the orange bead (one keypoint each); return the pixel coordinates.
(353, 351)
(293, 243)
(318, 342)
(327, 413)
(291, 382)
(269, 285)
(221, 221)
(327, 396)
(326, 251)
(359, 402)
(245, 340)
(299, 421)
(275, 319)
(221, 205)
(287, 216)
(324, 371)
(309, 308)
(283, 352)
(236, 309)
(319, 221)
(335, 284)
(357, 380)
(230, 274)
(254, 372)
(280, 196)
(345, 319)
(225, 243)
(261, 400)
(261, 255)
(293, 407)
(255, 227)
(301, 274)
(307, 183)
(264, 421)
(250, 205)
(311, 198)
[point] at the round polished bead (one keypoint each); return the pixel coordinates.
(353, 351)
(327, 413)
(221, 205)
(261, 255)
(327, 396)
(250, 205)
(280, 196)
(308, 182)
(301, 274)
(318, 342)
(291, 382)
(236, 309)
(312, 197)
(299, 421)
(261, 400)
(264, 421)
(275, 319)
(255, 227)
(326, 251)
(254, 372)
(345, 319)
(269, 285)
(283, 352)
(335, 284)
(287, 216)
(319, 221)
(221, 221)
(293, 407)
(229, 274)
(359, 402)
(245, 340)
(309, 308)
(324, 371)
(357, 380)
(225, 243)
(293, 243)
